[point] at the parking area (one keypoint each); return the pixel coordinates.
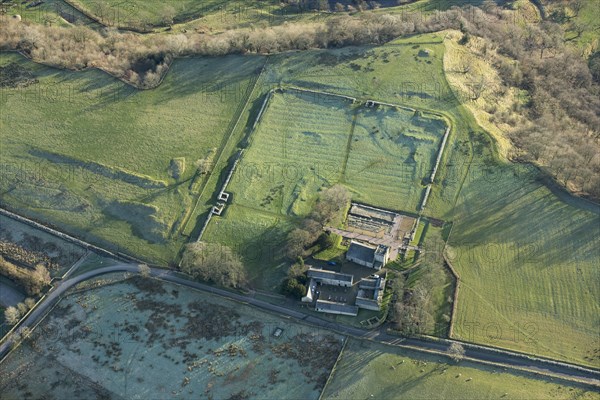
(337, 294)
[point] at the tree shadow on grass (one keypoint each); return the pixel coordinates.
(210, 77)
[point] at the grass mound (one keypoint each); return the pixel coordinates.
(100, 169)
(177, 167)
(142, 218)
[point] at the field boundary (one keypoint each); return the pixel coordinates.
(16, 326)
(371, 103)
(82, 9)
(426, 344)
(455, 297)
(87, 68)
(88, 246)
(535, 371)
(434, 171)
(107, 171)
(339, 357)
(499, 350)
(248, 139)
(353, 99)
(223, 188)
(231, 129)
(348, 147)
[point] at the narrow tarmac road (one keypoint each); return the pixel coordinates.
(472, 352)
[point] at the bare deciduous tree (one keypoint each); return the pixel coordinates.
(144, 270)
(12, 315)
(214, 263)
(456, 351)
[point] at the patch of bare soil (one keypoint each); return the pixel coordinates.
(216, 322)
(14, 75)
(148, 285)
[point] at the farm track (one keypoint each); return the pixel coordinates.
(230, 129)
(475, 353)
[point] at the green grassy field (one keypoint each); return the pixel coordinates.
(493, 205)
(370, 370)
(581, 24)
(50, 12)
(526, 254)
(394, 73)
(135, 13)
(213, 15)
(91, 155)
(529, 266)
(307, 141)
(298, 147)
(259, 237)
(392, 154)
(430, 271)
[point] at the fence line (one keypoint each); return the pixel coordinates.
(334, 367)
(435, 168)
(455, 297)
(223, 188)
(321, 92)
(72, 239)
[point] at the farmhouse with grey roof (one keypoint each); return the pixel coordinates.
(333, 293)
(331, 307)
(370, 292)
(368, 255)
(329, 277)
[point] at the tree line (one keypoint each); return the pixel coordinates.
(562, 111)
(33, 280)
(560, 131)
(122, 53)
(13, 314)
(414, 307)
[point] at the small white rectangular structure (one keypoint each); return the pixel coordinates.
(224, 196)
(218, 209)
